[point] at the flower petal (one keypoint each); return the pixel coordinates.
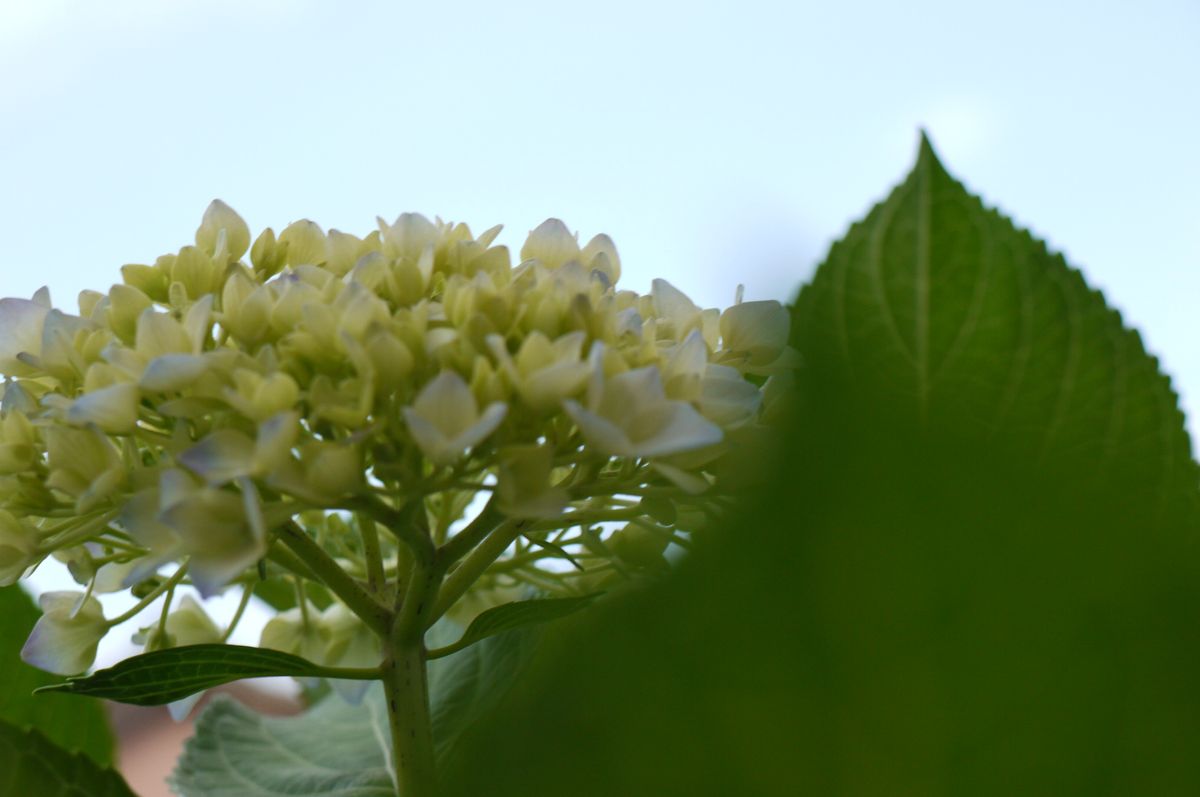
(221, 457)
(598, 431)
(674, 427)
(491, 418)
(112, 409)
(170, 372)
(447, 403)
(21, 323)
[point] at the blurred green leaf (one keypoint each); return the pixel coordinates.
(466, 685)
(64, 721)
(974, 571)
(510, 616)
(33, 766)
(163, 676)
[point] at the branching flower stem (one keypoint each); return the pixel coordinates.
(475, 564)
(168, 585)
(377, 616)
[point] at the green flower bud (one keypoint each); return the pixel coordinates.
(196, 271)
(150, 280)
(267, 255)
(220, 218)
(639, 546)
(125, 305)
(305, 243)
(18, 548)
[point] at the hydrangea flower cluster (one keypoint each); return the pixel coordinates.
(338, 413)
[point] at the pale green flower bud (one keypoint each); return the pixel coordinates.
(755, 332)
(600, 254)
(197, 272)
(190, 625)
(82, 462)
(334, 468)
(18, 443)
(409, 238)
(89, 302)
(305, 243)
(551, 244)
(150, 280)
(390, 359)
(677, 314)
(158, 334)
(267, 255)
(258, 397)
(246, 309)
(125, 305)
(289, 633)
(639, 546)
(344, 250)
(19, 548)
(524, 489)
(65, 638)
(349, 643)
(219, 218)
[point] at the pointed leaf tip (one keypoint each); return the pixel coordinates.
(925, 151)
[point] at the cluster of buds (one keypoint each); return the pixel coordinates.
(335, 386)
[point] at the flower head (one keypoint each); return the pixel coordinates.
(246, 385)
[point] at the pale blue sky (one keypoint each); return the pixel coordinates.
(717, 142)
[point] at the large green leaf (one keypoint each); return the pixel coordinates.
(975, 571)
(346, 748)
(163, 676)
(334, 750)
(33, 766)
(64, 721)
(936, 310)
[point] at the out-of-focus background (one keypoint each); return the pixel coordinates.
(718, 142)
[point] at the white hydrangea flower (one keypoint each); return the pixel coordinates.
(445, 419)
(632, 417)
(66, 636)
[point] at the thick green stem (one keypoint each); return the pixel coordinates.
(407, 691)
(405, 683)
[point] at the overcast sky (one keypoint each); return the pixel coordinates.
(717, 143)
